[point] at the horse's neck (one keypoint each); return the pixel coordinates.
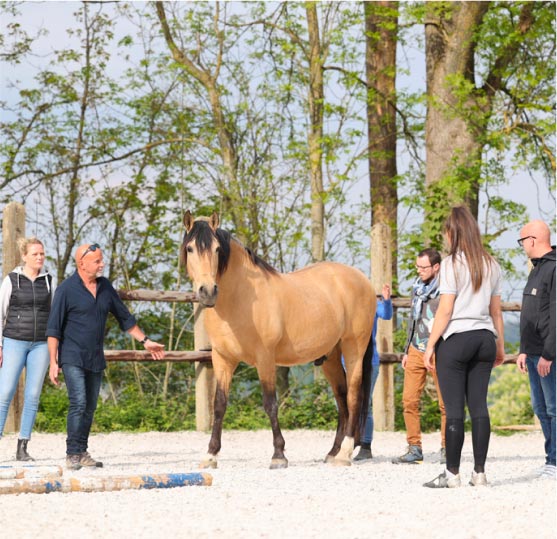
(241, 275)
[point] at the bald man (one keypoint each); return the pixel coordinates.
(537, 333)
(75, 331)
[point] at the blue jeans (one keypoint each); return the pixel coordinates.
(16, 355)
(542, 391)
(368, 432)
(83, 392)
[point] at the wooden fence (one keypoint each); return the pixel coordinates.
(205, 384)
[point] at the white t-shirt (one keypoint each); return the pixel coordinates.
(471, 309)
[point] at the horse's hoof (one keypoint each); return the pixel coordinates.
(278, 464)
(208, 463)
(340, 462)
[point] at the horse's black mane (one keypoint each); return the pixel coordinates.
(203, 235)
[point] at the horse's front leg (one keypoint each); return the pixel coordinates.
(270, 404)
(223, 374)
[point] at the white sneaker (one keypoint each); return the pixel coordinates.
(444, 480)
(478, 479)
(548, 472)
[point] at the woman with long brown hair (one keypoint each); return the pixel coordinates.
(467, 339)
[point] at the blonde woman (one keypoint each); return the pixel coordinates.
(467, 339)
(25, 299)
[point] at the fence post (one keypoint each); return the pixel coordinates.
(13, 228)
(381, 273)
(205, 383)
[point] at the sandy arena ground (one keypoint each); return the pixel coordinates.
(310, 499)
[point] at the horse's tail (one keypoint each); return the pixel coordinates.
(367, 371)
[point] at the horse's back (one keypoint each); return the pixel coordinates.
(333, 279)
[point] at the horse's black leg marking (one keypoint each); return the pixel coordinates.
(270, 405)
(340, 396)
(221, 401)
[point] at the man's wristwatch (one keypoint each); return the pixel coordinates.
(145, 339)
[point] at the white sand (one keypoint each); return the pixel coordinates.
(308, 500)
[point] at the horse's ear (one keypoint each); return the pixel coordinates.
(214, 221)
(188, 220)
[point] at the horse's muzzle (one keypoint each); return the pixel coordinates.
(207, 295)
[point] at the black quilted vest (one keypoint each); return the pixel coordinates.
(29, 308)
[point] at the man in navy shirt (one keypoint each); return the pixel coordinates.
(75, 332)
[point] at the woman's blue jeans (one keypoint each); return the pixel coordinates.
(542, 391)
(83, 392)
(17, 355)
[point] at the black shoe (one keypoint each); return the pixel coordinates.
(21, 453)
(363, 454)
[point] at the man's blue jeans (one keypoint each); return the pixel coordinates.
(17, 355)
(368, 432)
(83, 391)
(542, 391)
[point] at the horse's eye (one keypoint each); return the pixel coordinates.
(189, 249)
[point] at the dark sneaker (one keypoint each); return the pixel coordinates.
(363, 454)
(88, 460)
(73, 462)
(414, 455)
(442, 481)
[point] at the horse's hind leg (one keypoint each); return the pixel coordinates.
(333, 371)
(270, 404)
(223, 373)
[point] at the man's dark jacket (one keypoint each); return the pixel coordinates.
(537, 317)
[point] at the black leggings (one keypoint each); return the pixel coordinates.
(464, 362)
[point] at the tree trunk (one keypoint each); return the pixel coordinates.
(315, 136)
(453, 141)
(381, 25)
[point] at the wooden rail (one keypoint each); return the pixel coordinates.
(205, 356)
(143, 355)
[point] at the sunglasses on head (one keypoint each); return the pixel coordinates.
(92, 248)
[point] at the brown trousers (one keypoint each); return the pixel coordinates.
(414, 382)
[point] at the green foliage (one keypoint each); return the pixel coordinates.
(312, 407)
(509, 397)
(53, 409)
(308, 406)
(146, 412)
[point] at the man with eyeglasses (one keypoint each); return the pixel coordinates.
(75, 331)
(537, 333)
(425, 300)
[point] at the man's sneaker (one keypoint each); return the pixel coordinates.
(444, 481)
(73, 462)
(88, 460)
(363, 454)
(548, 471)
(414, 455)
(478, 479)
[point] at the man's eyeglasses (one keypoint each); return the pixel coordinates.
(422, 267)
(521, 240)
(92, 248)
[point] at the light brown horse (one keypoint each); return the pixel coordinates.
(266, 318)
